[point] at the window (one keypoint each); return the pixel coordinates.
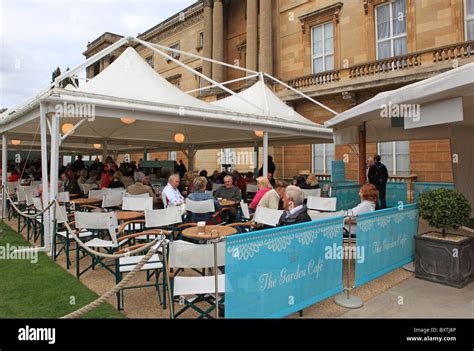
(322, 39)
(391, 29)
(173, 54)
(396, 156)
(172, 156)
(469, 18)
(149, 60)
(323, 155)
(200, 40)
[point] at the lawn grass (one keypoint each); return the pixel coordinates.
(42, 289)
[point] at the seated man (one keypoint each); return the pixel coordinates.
(140, 188)
(199, 194)
(273, 198)
(295, 209)
(171, 192)
(229, 192)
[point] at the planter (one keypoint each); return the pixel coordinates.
(447, 260)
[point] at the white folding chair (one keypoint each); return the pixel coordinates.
(267, 216)
(245, 210)
(327, 204)
(216, 186)
(97, 194)
(116, 191)
(112, 200)
(252, 188)
(311, 192)
(195, 289)
(63, 197)
(205, 206)
(86, 188)
(137, 204)
(97, 221)
(137, 195)
(64, 235)
(316, 215)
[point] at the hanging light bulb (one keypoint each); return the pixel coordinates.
(259, 133)
(128, 120)
(67, 127)
(179, 138)
(97, 146)
(16, 142)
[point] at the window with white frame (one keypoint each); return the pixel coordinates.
(391, 29)
(172, 156)
(469, 19)
(322, 51)
(395, 156)
(323, 155)
(174, 54)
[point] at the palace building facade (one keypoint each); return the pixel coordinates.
(340, 53)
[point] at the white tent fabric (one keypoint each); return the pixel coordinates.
(130, 77)
(257, 94)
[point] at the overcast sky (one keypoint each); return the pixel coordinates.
(36, 36)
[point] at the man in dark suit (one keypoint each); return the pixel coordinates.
(378, 176)
(295, 209)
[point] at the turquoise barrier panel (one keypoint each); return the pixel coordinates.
(421, 187)
(396, 192)
(275, 272)
(338, 171)
(157, 164)
(347, 196)
(386, 239)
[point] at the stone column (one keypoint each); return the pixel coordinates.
(207, 45)
(266, 43)
(218, 40)
(252, 35)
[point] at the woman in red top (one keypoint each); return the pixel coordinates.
(263, 185)
(14, 177)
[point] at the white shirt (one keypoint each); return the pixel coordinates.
(364, 207)
(173, 196)
(296, 209)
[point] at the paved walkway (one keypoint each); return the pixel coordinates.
(419, 299)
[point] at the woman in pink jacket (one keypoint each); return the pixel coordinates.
(263, 186)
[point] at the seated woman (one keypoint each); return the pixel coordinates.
(199, 194)
(312, 181)
(301, 182)
(368, 198)
(263, 185)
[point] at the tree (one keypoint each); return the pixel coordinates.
(66, 81)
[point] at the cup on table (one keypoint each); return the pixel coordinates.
(220, 199)
(201, 225)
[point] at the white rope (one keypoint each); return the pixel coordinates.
(24, 214)
(94, 304)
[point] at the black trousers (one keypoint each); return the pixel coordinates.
(382, 192)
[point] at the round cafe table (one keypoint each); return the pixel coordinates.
(227, 203)
(123, 216)
(86, 201)
(211, 232)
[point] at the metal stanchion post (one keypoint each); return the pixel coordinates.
(216, 278)
(346, 299)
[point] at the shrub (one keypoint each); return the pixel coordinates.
(444, 208)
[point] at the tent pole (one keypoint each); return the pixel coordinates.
(255, 152)
(105, 150)
(265, 154)
(54, 164)
(362, 154)
(44, 175)
(4, 171)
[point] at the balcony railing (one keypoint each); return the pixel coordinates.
(379, 68)
(315, 79)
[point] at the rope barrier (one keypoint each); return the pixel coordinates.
(24, 214)
(96, 303)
